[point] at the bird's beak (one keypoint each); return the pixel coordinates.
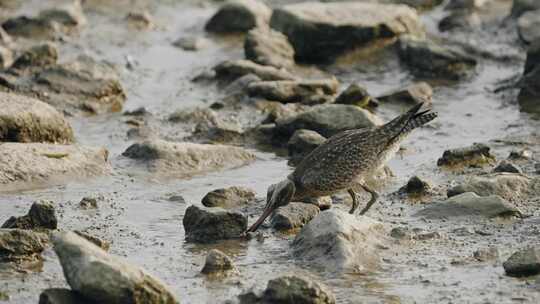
(267, 211)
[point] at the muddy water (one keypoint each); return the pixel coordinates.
(146, 227)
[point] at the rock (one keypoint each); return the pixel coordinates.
(239, 86)
(6, 57)
(506, 185)
(537, 168)
(238, 68)
(486, 254)
(40, 216)
(61, 296)
(268, 47)
(293, 289)
(217, 262)
(88, 203)
(460, 19)
(293, 90)
(340, 241)
(186, 159)
(412, 94)
(69, 14)
(140, 20)
(191, 43)
(228, 197)
(427, 58)
(103, 278)
(25, 166)
(427, 236)
(294, 215)
(401, 233)
(5, 39)
(416, 186)
(520, 155)
(319, 31)
(469, 204)
(420, 4)
(208, 225)
(465, 4)
(94, 240)
(37, 56)
(29, 27)
(195, 116)
(505, 166)
(477, 155)
(322, 202)
(356, 95)
(25, 119)
(521, 6)
(328, 120)
(239, 16)
(524, 262)
(21, 246)
(302, 142)
(527, 25)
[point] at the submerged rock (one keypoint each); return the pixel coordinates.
(186, 159)
(61, 296)
(27, 165)
(356, 95)
(140, 20)
(235, 69)
(294, 289)
(319, 31)
(25, 119)
(239, 16)
(505, 166)
(217, 262)
(328, 120)
(509, 186)
(302, 91)
(469, 204)
(228, 197)
(208, 225)
(302, 142)
(40, 216)
(477, 155)
(191, 43)
(460, 19)
(427, 58)
(22, 247)
(104, 278)
(31, 27)
(340, 241)
(268, 47)
(414, 93)
(525, 262)
(294, 215)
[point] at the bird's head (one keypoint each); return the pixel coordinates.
(278, 195)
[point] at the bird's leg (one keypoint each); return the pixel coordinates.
(354, 201)
(374, 197)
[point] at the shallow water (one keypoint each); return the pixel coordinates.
(146, 228)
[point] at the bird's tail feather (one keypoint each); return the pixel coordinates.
(419, 120)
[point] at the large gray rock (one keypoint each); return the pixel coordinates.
(340, 241)
(521, 6)
(294, 215)
(469, 204)
(525, 262)
(304, 91)
(427, 58)
(509, 186)
(319, 31)
(231, 197)
(217, 262)
(61, 296)
(302, 142)
(238, 68)
(239, 16)
(208, 225)
(328, 120)
(185, 159)
(528, 25)
(477, 155)
(25, 166)
(268, 47)
(294, 289)
(104, 278)
(41, 215)
(25, 119)
(412, 94)
(21, 246)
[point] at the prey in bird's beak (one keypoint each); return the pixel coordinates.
(278, 195)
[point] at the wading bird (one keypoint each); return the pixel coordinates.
(343, 162)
